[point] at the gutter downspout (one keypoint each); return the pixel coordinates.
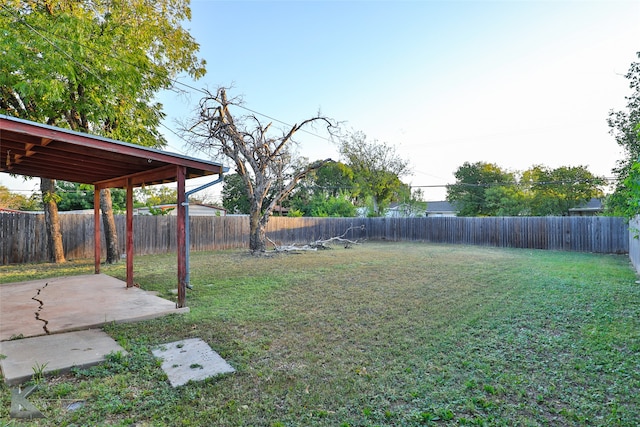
(186, 225)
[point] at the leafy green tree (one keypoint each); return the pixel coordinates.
(506, 201)
(473, 180)
(333, 179)
(94, 66)
(484, 189)
(377, 169)
(154, 197)
(9, 200)
(234, 195)
(160, 195)
(413, 202)
(327, 191)
(322, 205)
(74, 196)
(555, 191)
(625, 127)
(32, 203)
(628, 201)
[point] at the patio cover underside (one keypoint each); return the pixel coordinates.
(37, 150)
(33, 149)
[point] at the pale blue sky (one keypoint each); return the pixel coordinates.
(515, 83)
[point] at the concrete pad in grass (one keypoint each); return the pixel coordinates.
(190, 360)
(56, 353)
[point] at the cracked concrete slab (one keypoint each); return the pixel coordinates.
(72, 303)
(49, 308)
(17, 310)
(54, 353)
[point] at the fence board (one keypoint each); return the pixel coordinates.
(634, 242)
(23, 236)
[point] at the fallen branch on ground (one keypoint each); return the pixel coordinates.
(319, 244)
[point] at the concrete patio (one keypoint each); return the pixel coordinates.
(36, 314)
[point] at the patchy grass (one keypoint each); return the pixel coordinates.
(381, 334)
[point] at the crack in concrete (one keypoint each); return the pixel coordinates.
(37, 313)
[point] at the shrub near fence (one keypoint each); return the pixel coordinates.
(24, 239)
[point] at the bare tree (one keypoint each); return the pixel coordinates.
(267, 165)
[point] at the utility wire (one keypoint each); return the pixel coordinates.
(84, 66)
(56, 47)
(173, 80)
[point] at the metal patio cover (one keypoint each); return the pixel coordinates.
(33, 149)
(37, 150)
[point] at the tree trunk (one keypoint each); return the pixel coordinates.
(54, 236)
(257, 235)
(109, 224)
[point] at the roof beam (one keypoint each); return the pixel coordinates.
(160, 175)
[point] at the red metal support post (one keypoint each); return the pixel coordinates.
(96, 229)
(181, 237)
(129, 234)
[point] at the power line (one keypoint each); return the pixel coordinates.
(39, 31)
(31, 28)
(508, 184)
(173, 80)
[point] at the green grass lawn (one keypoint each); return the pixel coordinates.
(380, 334)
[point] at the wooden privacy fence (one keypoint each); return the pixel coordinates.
(634, 242)
(23, 237)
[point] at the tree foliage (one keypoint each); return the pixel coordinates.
(94, 66)
(473, 180)
(267, 164)
(9, 200)
(327, 191)
(555, 191)
(157, 195)
(154, 197)
(625, 127)
(234, 195)
(74, 196)
(484, 189)
(411, 202)
(334, 179)
(501, 200)
(324, 205)
(377, 169)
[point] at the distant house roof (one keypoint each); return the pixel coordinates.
(195, 209)
(440, 207)
(406, 210)
(7, 210)
(592, 207)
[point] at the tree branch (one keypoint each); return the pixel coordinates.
(292, 184)
(319, 244)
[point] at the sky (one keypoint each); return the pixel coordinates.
(515, 83)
